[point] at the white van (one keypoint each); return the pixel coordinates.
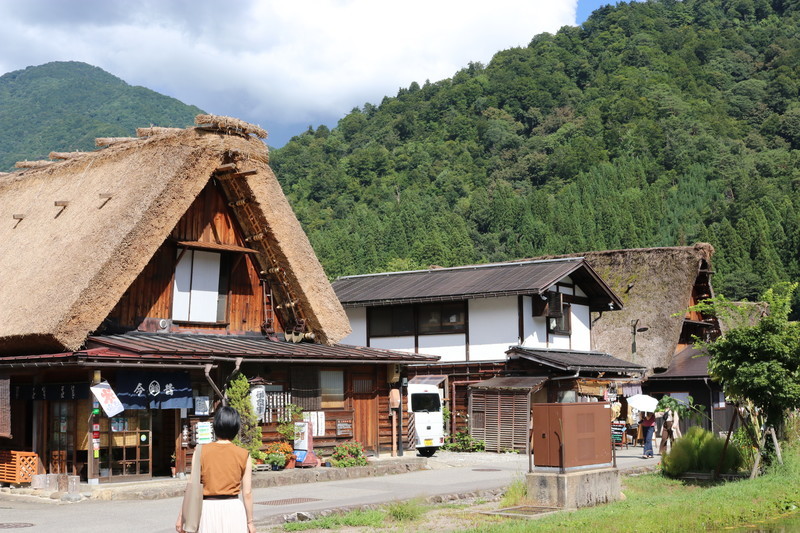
(425, 401)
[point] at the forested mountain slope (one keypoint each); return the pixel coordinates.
(655, 123)
(64, 106)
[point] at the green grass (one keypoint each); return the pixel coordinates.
(657, 503)
(516, 494)
(400, 512)
(406, 511)
(372, 518)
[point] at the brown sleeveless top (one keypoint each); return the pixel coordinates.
(222, 466)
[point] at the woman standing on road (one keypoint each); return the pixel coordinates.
(226, 470)
(648, 424)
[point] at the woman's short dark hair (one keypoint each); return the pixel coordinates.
(226, 423)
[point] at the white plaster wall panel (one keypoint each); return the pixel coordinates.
(581, 328)
(402, 344)
(559, 342)
(448, 347)
(358, 323)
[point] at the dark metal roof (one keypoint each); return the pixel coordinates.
(512, 383)
(689, 363)
(576, 361)
(156, 349)
(431, 379)
(213, 347)
(477, 281)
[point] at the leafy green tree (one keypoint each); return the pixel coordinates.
(761, 363)
(249, 438)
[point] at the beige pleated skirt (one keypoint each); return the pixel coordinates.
(223, 516)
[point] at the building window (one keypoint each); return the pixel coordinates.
(560, 324)
(332, 388)
(418, 319)
(391, 321)
(200, 289)
(442, 318)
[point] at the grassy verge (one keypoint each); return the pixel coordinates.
(657, 503)
(392, 514)
(653, 503)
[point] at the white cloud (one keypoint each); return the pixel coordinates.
(278, 64)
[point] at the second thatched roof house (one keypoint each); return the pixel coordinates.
(164, 265)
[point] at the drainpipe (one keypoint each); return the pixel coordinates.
(211, 382)
(559, 378)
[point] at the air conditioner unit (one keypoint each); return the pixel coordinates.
(393, 373)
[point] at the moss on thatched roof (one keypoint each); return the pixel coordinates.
(65, 267)
(655, 284)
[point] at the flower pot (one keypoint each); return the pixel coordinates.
(276, 467)
(291, 462)
(174, 471)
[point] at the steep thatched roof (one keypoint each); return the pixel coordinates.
(78, 232)
(654, 284)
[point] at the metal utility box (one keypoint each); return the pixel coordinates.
(571, 435)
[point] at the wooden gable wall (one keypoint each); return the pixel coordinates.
(209, 220)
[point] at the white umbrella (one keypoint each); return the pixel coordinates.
(643, 402)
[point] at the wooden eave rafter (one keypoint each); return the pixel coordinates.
(215, 247)
(284, 301)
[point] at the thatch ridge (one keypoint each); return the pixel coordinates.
(66, 269)
(655, 285)
(108, 141)
(155, 130)
(230, 125)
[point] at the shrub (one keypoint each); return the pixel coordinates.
(249, 437)
(464, 442)
(700, 451)
(292, 413)
(348, 454)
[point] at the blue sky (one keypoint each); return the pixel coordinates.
(282, 65)
(585, 8)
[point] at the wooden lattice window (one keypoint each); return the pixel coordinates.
(305, 388)
(500, 419)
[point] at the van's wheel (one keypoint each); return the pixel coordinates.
(427, 452)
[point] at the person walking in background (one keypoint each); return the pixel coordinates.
(648, 424)
(668, 430)
(226, 471)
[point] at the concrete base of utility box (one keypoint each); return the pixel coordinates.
(571, 490)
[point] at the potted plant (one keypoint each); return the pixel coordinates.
(277, 460)
(284, 448)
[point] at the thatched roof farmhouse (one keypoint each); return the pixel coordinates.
(656, 286)
(78, 231)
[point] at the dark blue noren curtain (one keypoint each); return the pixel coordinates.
(157, 390)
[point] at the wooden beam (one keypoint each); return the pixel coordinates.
(226, 168)
(32, 164)
(107, 141)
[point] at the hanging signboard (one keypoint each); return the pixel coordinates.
(107, 398)
(202, 405)
(344, 428)
(301, 435)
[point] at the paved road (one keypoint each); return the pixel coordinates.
(449, 473)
